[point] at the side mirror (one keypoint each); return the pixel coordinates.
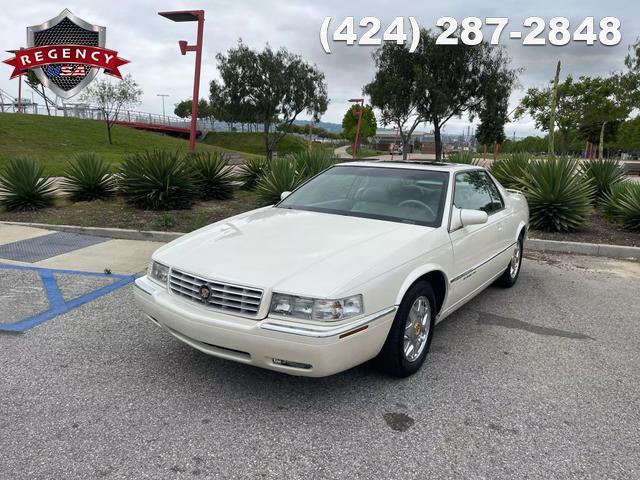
(473, 217)
(284, 195)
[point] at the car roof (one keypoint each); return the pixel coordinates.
(431, 165)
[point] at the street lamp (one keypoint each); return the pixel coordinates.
(356, 140)
(15, 52)
(163, 95)
(191, 16)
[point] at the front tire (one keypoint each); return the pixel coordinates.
(511, 274)
(410, 336)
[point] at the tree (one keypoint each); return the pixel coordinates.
(493, 118)
(33, 81)
(268, 87)
(604, 103)
(183, 109)
(529, 144)
(111, 97)
(452, 80)
(632, 60)
(629, 135)
(494, 111)
(350, 122)
(393, 90)
(536, 104)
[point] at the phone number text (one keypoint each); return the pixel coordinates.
(534, 31)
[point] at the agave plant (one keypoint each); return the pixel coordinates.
(309, 163)
(557, 193)
(158, 180)
(214, 176)
(23, 186)
(511, 170)
(282, 176)
(87, 178)
(622, 204)
(603, 174)
(465, 158)
(251, 171)
(611, 200)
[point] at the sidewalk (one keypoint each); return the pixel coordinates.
(36, 247)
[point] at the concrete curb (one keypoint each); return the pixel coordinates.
(551, 246)
(119, 233)
(592, 249)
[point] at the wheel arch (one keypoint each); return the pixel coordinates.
(523, 228)
(436, 278)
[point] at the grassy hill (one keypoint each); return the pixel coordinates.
(253, 142)
(54, 140)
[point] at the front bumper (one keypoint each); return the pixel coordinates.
(307, 350)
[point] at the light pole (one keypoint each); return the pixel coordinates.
(163, 95)
(191, 16)
(356, 140)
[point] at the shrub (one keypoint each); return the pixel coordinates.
(603, 175)
(87, 178)
(557, 193)
(309, 163)
(159, 180)
(622, 204)
(167, 220)
(465, 158)
(251, 171)
(24, 187)
(282, 176)
(511, 170)
(610, 202)
(197, 222)
(214, 176)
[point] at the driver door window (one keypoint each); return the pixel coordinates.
(476, 191)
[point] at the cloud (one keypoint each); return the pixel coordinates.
(150, 41)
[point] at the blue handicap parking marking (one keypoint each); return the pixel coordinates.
(57, 303)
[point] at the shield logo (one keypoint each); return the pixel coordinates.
(66, 80)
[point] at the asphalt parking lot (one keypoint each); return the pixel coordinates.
(540, 381)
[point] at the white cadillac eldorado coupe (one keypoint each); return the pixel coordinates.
(358, 263)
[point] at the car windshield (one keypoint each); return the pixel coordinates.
(393, 194)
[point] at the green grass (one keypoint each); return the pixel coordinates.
(364, 152)
(54, 140)
(253, 142)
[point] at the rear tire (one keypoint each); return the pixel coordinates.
(511, 274)
(410, 336)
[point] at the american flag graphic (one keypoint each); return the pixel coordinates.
(72, 71)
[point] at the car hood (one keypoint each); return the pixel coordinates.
(292, 251)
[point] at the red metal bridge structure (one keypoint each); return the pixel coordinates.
(167, 124)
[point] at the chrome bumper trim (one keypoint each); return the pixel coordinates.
(316, 332)
(144, 284)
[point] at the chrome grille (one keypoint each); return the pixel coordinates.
(225, 297)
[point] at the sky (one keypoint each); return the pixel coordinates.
(150, 42)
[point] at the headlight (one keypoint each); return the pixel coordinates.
(158, 273)
(316, 309)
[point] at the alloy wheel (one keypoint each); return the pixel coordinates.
(416, 331)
